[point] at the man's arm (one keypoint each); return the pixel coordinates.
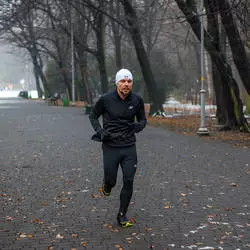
(140, 117)
(96, 113)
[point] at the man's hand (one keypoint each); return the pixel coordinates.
(137, 127)
(103, 134)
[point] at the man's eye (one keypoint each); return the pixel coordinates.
(123, 81)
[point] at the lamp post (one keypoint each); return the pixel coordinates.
(202, 130)
(72, 59)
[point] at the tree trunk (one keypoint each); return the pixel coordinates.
(197, 86)
(39, 90)
(235, 111)
(188, 85)
(118, 53)
(131, 17)
(100, 54)
(39, 72)
(237, 47)
(225, 101)
(86, 85)
(115, 10)
(64, 74)
(219, 87)
(83, 69)
(60, 58)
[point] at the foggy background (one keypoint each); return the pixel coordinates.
(14, 69)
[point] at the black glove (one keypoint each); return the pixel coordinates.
(137, 127)
(100, 135)
(103, 134)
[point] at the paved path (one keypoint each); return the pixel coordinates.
(189, 193)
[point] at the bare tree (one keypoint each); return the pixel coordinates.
(234, 106)
(21, 30)
(115, 9)
(143, 59)
(238, 49)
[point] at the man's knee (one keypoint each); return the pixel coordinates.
(128, 182)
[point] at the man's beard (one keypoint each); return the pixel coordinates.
(124, 94)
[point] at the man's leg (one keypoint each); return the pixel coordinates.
(111, 160)
(128, 165)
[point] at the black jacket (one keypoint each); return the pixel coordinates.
(119, 126)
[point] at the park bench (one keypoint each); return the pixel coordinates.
(53, 99)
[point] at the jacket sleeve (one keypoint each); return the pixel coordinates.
(140, 117)
(96, 113)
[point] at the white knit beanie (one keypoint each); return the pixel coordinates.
(123, 74)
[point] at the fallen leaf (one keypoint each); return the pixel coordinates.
(198, 243)
(22, 235)
(83, 243)
(207, 248)
(167, 205)
(30, 236)
(41, 222)
(44, 203)
(132, 220)
(182, 194)
(74, 235)
(219, 242)
(210, 206)
(211, 216)
(36, 220)
(59, 236)
(9, 218)
(228, 209)
(129, 238)
(234, 184)
(96, 196)
(148, 229)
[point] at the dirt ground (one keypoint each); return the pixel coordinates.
(189, 125)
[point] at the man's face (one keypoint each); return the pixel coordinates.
(124, 86)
